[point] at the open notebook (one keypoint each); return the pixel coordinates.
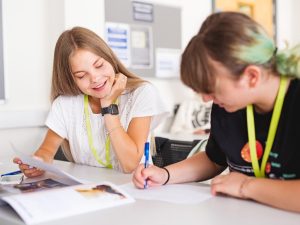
(57, 194)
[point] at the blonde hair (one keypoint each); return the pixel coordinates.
(236, 41)
(81, 38)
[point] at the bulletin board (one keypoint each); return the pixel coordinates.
(2, 87)
(154, 31)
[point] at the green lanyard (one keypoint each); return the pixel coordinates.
(90, 137)
(260, 172)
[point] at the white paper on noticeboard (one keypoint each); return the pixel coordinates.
(167, 62)
(118, 39)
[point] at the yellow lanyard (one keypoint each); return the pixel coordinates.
(90, 138)
(260, 172)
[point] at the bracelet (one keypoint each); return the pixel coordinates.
(113, 129)
(168, 175)
(244, 183)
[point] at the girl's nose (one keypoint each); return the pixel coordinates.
(95, 78)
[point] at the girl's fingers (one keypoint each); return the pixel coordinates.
(138, 172)
(37, 173)
(138, 183)
(17, 160)
(139, 176)
(33, 172)
(218, 189)
(30, 171)
(218, 179)
(25, 167)
(150, 183)
(121, 80)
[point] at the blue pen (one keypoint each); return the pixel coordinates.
(146, 153)
(11, 173)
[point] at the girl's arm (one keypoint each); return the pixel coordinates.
(128, 146)
(196, 168)
(49, 146)
(46, 152)
(284, 194)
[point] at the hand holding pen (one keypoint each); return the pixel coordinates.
(153, 176)
(146, 153)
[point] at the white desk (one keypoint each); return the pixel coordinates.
(217, 210)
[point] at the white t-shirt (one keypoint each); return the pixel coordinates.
(191, 116)
(67, 119)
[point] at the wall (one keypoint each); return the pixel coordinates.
(193, 14)
(29, 34)
(260, 10)
(24, 139)
(86, 13)
(30, 30)
(288, 22)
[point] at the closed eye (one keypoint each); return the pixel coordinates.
(99, 65)
(80, 75)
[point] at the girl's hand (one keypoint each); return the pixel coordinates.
(230, 184)
(28, 170)
(154, 175)
(117, 88)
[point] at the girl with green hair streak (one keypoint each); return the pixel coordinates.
(255, 116)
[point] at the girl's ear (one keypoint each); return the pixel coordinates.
(251, 76)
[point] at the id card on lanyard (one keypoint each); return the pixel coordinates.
(259, 171)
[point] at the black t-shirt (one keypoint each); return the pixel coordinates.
(229, 136)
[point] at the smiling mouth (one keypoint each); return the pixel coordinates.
(99, 86)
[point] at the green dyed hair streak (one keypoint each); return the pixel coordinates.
(260, 50)
(288, 61)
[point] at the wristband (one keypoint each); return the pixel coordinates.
(113, 129)
(168, 175)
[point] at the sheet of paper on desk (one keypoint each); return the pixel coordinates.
(47, 167)
(174, 193)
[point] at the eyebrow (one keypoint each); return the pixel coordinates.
(97, 60)
(74, 73)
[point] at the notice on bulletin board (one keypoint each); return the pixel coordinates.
(167, 62)
(118, 39)
(142, 11)
(141, 47)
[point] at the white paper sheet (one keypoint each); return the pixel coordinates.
(141, 47)
(46, 166)
(167, 62)
(174, 193)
